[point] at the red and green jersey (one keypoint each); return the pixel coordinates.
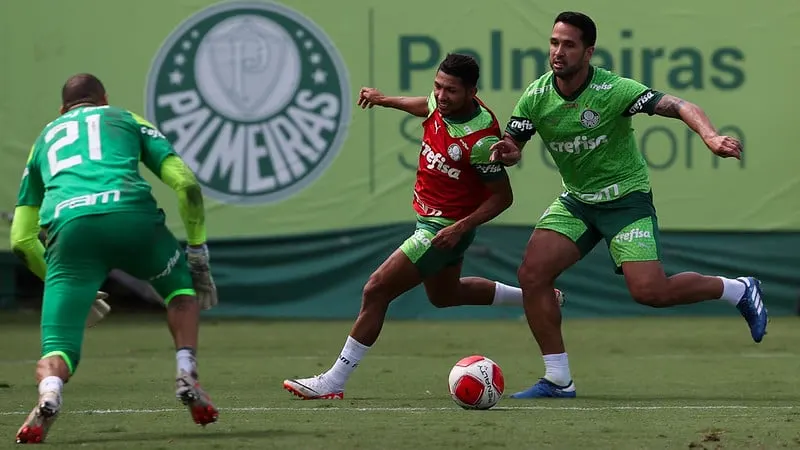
(454, 164)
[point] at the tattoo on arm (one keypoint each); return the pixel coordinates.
(669, 106)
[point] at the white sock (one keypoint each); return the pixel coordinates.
(346, 363)
(186, 361)
(556, 369)
(51, 385)
(505, 295)
(732, 290)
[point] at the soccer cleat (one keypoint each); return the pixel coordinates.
(560, 297)
(314, 388)
(752, 308)
(35, 428)
(195, 398)
(547, 389)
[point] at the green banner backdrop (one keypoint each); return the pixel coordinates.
(259, 98)
(306, 193)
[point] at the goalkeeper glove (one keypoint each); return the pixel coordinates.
(98, 311)
(197, 258)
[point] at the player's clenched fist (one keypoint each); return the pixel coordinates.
(369, 97)
(506, 152)
(725, 146)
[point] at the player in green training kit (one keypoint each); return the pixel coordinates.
(82, 186)
(583, 114)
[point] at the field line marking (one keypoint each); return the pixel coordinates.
(426, 409)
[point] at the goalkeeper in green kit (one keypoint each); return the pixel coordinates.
(83, 187)
(583, 115)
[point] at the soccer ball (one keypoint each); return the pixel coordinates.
(476, 382)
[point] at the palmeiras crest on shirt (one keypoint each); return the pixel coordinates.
(454, 151)
(590, 118)
(254, 97)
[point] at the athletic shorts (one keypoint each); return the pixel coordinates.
(429, 259)
(628, 225)
(79, 258)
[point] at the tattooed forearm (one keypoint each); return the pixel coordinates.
(669, 106)
(691, 114)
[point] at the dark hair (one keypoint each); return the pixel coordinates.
(82, 88)
(582, 22)
(463, 67)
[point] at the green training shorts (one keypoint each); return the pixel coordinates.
(429, 259)
(79, 258)
(628, 224)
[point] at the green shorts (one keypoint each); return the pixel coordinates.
(79, 258)
(628, 224)
(429, 259)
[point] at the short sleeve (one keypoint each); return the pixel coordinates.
(635, 97)
(155, 146)
(431, 103)
(521, 126)
(479, 159)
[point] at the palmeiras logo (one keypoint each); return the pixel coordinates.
(590, 118)
(254, 97)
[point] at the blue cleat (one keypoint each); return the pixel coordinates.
(547, 389)
(752, 308)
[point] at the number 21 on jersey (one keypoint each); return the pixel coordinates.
(70, 132)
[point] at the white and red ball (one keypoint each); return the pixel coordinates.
(476, 382)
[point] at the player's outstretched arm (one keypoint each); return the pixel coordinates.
(177, 175)
(25, 241)
(696, 119)
(416, 106)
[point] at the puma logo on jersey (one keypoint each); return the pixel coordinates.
(436, 161)
(579, 144)
(88, 200)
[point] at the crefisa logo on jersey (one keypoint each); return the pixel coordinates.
(589, 118)
(254, 97)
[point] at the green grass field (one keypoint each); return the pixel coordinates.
(642, 384)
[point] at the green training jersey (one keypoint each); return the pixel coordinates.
(87, 162)
(589, 133)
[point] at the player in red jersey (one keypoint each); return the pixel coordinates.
(458, 188)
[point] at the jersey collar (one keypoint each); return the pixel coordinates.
(579, 91)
